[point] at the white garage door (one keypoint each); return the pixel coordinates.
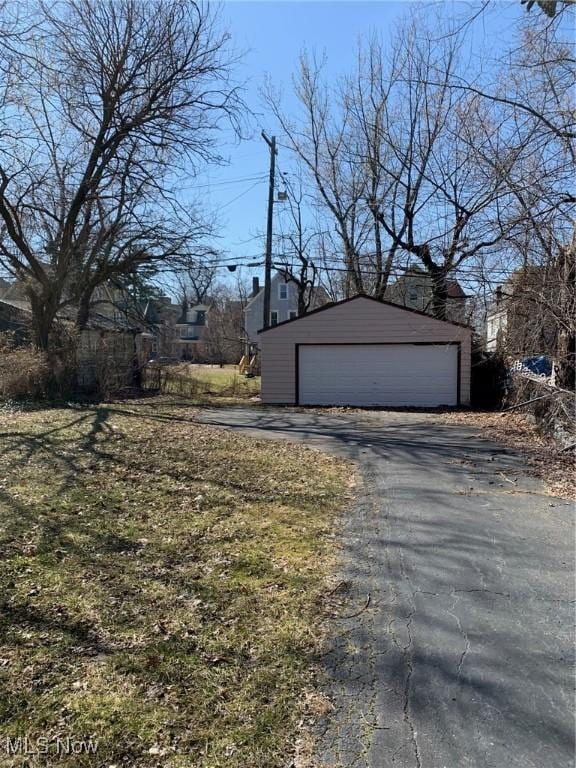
(378, 374)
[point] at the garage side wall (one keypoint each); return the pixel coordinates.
(360, 321)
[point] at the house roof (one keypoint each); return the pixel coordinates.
(455, 290)
(17, 304)
(333, 304)
(96, 321)
(100, 322)
(151, 314)
(182, 319)
(12, 291)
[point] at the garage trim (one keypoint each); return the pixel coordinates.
(374, 344)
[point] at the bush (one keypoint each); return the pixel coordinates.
(27, 373)
(554, 413)
(24, 371)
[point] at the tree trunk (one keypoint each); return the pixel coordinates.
(566, 356)
(566, 339)
(382, 276)
(41, 334)
(83, 312)
(354, 283)
(439, 291)
(438, 274)
(136, 367)
(43, 315)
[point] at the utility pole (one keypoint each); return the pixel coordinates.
(268, 262)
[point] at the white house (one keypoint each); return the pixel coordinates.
(283, 305)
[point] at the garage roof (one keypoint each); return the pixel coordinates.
(333, 304)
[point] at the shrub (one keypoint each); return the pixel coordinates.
(24, 371)
(27, 373)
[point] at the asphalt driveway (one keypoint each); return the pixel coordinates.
(459, 580)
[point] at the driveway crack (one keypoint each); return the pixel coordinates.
(407, 691)
(408, 653)
(461, 630)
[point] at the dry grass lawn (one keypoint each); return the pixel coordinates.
(160, 585)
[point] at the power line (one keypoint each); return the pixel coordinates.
(331, 263)
(469, 274)
(469, 281)
(260, 176)
(241, 194)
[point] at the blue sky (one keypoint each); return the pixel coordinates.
(272, 34)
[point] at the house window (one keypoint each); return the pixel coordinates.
(274, 317)
(201, 317)
(413, 294)
(283, 290)
(292, 314)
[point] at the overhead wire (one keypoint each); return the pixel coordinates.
(225, 205)
(467, 274)
(471, 281)
(225, 182)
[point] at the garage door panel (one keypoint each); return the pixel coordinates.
(378, 374)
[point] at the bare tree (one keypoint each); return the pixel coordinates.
(440, 204)
(539, 225)
(550, 7)
(195, 279)
(545, 53)
(296, 262)
(223, 338)
(319, 140)
(390, 152)
(105, 104)
(365, 97)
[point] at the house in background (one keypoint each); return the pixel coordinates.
(158, 337)
(15, 319)
(173, 331)
(413, 290)
(190, 329)
(496, 321)
(167, 330)
(15, 312)
(107, 348)
(13, 291)
(161, 328)
(283, 304)
(516, 321)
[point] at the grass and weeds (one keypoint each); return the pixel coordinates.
(160, 586)
(203, 384)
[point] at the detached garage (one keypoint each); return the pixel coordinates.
(365, 352)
